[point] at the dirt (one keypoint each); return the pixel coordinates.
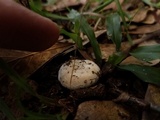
(109, 87)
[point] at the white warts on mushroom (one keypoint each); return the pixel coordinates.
(76, 74)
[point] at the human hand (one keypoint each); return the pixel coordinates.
(22, 29)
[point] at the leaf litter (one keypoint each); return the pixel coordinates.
(41, 69)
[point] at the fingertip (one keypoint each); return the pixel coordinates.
(25, 30)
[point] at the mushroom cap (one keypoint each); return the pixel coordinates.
(76, 74)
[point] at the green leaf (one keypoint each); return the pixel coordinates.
(116, 58)
(36, 6)
(4, 108)
(145, 73)
(75, 37)
(52, 16)
(87, 30)
(114, 29)
(123, 14)
(147, 53)
(156, 5)
(81, 22)
(100, 7)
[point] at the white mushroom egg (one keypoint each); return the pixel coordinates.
(76, 74)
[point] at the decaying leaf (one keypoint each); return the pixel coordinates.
(101, 110)
(150, 19)
(63, 4)
(113, 5)
(138, 14)
(25, 63)
(145, 29)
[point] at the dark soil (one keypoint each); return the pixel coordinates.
(109, 87)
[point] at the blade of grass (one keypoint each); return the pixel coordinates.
(114, 29)
(87, 30)
(36, 6)
(18, 80)
(100, 7)
(116, 58)
(148, 2)
(22, 83)
(4, 108)
(123, 19)
(75, 37)
(36, 3)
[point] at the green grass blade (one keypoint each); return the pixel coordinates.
(100, 7)
(52, 16)
(87, 30)
(114, 29)
(18, 80)
(22, 83)
(116, 58)
(147, 53)
(148, 2)
(122, 14)
(81, 23)
(36, 6)
(145, 73)
(4, 108)
(75, 37)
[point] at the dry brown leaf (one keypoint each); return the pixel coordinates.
(145, 29)
(149, 19)
(62, 4)
(113, 5)
(11, 55)
(139, 14)
(131, 4)
(101, 110)
(106, 50)
(27, 63)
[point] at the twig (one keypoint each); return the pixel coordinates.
(146, 38)
(144, 105)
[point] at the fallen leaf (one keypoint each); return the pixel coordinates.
(153, 97)
(26, 63)
(149, 19)
(138, 14)
(113, 5)
(101, 110)
(145, 29)
(133, 60)
(11, 55)
(63, 4)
